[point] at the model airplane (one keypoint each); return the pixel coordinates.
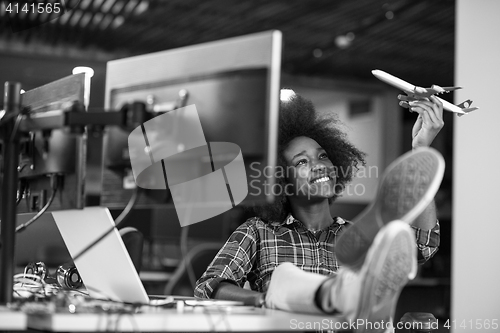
(416, 93)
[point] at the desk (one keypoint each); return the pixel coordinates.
(171, 320)
(12, 320)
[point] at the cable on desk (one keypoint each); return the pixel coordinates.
(27, 285)
(104, 304)
(106, 297)
(117, 321)
(213, 324)
(119, 219)
(135, 327)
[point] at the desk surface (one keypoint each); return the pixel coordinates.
(198, 320)
(12, 320)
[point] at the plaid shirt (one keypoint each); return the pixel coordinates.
(256, 248)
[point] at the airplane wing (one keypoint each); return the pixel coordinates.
(437, 90)
(460, 109)
(421, 93)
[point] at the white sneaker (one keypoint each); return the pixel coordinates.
(368, 297)
(407, 187)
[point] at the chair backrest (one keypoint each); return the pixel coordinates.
(197, 258)
(134, 241)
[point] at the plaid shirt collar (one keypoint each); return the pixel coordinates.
(290, 220)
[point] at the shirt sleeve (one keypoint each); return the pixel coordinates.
(233, 261)
(427, 242)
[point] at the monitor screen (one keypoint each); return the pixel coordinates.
(233, 84)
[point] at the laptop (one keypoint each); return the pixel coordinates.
(105, 268)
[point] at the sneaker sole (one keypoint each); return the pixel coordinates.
(408, 186)
(391, 262)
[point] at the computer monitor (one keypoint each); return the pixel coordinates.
(49, 160)
(48, 153)
(233, 83)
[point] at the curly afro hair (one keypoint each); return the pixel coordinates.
(298, 117)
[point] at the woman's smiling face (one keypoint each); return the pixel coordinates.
(309, 170)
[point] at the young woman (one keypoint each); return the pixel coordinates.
(295, 239)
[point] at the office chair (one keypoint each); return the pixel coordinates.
(198, 258)
(134, 241)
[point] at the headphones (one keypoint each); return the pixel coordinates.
(66, 276)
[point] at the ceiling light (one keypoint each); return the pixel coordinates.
(344, 41)
(317, 53)
(118, 22)
(77, 14)
(89, 72)
(82, 69)
(143, 6)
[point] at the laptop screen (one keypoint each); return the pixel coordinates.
(106, 268)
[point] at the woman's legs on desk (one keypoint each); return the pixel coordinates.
(369, 294)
